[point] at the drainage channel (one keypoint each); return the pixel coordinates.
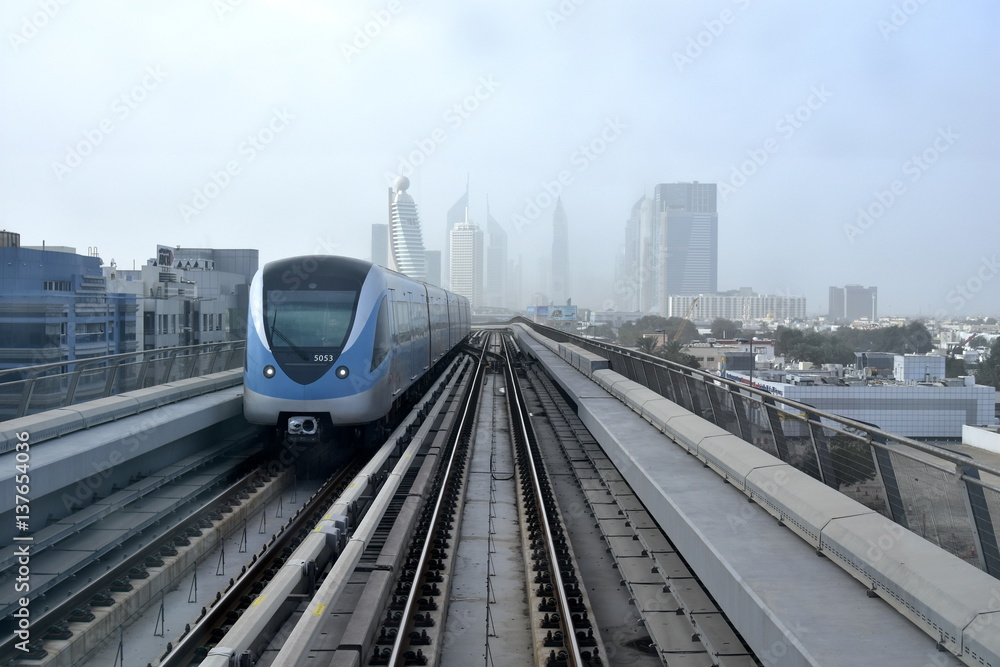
(99, 566)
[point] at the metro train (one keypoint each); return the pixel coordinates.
(336, 341)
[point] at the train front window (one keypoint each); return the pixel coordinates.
(299, 320)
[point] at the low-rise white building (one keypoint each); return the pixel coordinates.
(935, 410)
(744, 305)
(721, 354)
(189, 296)
(918, 367)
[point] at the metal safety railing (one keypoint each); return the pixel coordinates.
(946, 497)
(34, 389)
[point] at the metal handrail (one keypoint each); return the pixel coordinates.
(40, 369)
(707, 376)
(882, 445)
(18, 385)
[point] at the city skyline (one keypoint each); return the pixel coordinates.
(872, 165)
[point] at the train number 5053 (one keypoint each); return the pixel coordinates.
(324, 357)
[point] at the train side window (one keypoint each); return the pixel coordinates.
(417, 317)
(402, 309)
(380, 348)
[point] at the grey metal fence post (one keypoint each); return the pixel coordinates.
(741, 415)
(776, 430)
(73, 382)
(979, 515)
(211, 363)
(170, 365)
(109, 383)
(141, 383)
(821, 449)
(887, 474)
(663, 383)
(713, 403)
(29, 388)
(640, 372)
(683, 397)
(689, 381)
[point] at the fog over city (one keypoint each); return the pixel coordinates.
(852, 142)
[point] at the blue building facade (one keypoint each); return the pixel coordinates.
(688, 234)
(54, 306)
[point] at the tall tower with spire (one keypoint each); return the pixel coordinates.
(406, 241)
(559, 290)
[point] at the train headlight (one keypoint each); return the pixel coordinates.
(269, 371)
(342, 372)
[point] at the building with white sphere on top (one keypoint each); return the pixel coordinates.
(406, 240)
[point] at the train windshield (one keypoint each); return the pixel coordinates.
(316, 319)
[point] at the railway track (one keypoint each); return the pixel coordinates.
(478, 533)
(670, 617)
(563, 610)
(325, 568)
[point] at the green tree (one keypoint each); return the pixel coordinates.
(988, 372)
(839, 347)
(725, 328)
(954, 367)
(603, 331)
(977, 341)
(647, 344)
(909, 339)
(630, 332)
(672, 352)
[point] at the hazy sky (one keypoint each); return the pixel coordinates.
(278, 124)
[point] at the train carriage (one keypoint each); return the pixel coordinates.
(336, 341)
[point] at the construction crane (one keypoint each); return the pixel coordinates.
(687, 314)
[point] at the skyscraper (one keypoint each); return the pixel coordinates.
(649, 268)
(514, 291)
(406, 241)
(688, 226)
(627, 266)
(380, 244)
(456, 214)
(636, 274)
(496, 262)
(854, 302)
(559, 290)
(434, 267)
(467, 262)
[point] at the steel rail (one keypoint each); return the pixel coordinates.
(519, 411)
(249, 631)
(464, 425)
